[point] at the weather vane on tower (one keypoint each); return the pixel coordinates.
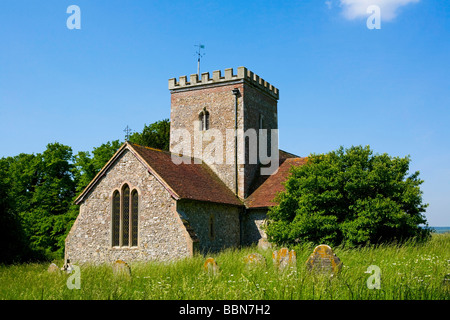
(199, 56)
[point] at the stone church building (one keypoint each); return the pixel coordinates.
(145, 205)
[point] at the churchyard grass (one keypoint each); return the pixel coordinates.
(408, 271)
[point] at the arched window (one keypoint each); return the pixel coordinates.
(116, 219)
(204, 120)
(125, 217)
(134, 218)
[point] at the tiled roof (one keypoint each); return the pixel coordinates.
(263, 196)
(198, 181)
(260, 179)
(187, 181)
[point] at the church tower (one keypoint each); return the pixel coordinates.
(207, 113)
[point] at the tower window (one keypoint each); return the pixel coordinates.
(204, 120)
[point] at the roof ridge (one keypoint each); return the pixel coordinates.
(167, 152)
(147, 147)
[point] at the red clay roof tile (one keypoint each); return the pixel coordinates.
(264, 195)
(198, 181)
(188, 181)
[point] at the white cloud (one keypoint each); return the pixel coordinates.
(358, 8)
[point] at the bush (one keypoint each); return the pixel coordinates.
(349, 196)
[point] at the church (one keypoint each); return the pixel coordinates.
(148, 204)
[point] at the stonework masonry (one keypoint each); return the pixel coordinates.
(217, 78)
(256, 106)
(251, 227)
(257, 100)
(172, 226)
(161, 234)
(163, 221)
(219, 101)
(223, 219)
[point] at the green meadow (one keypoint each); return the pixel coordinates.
(408, 271)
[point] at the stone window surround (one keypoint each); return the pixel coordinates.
(139, 193)
(203, 116)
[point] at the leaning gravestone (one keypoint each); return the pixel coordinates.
(211, 266)
(324, 260)
(284, 258)
(255, 259)
(121, 269)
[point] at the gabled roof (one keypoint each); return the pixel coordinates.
(183, 181)
(263, 196)
(198, 181)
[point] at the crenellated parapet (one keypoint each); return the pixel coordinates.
(217, 78)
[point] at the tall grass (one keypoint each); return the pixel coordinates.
(408, 271)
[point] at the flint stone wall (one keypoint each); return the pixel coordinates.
(161, 233)
(219, 101)
(257, 98)
(252, 226)
(226, 229)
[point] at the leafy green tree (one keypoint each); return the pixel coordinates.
(50, 197)
(155, 135)
(13, 245)
(19, 179)
(349, 196)
(87, 166)
(37, 193)
(37, 190)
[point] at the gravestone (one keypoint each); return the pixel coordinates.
(284, 258)
(264, 244)
(324, 260)
(121, 269)
(53, 268)
(211, 266)
(255, 259)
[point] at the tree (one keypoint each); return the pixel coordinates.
(50, 197)
(155, 135)
(349, 196)
(37, 193)
(87, 167)
(13, 246)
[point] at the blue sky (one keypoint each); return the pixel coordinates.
(340, 83)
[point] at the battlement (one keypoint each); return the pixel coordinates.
(242, 74)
